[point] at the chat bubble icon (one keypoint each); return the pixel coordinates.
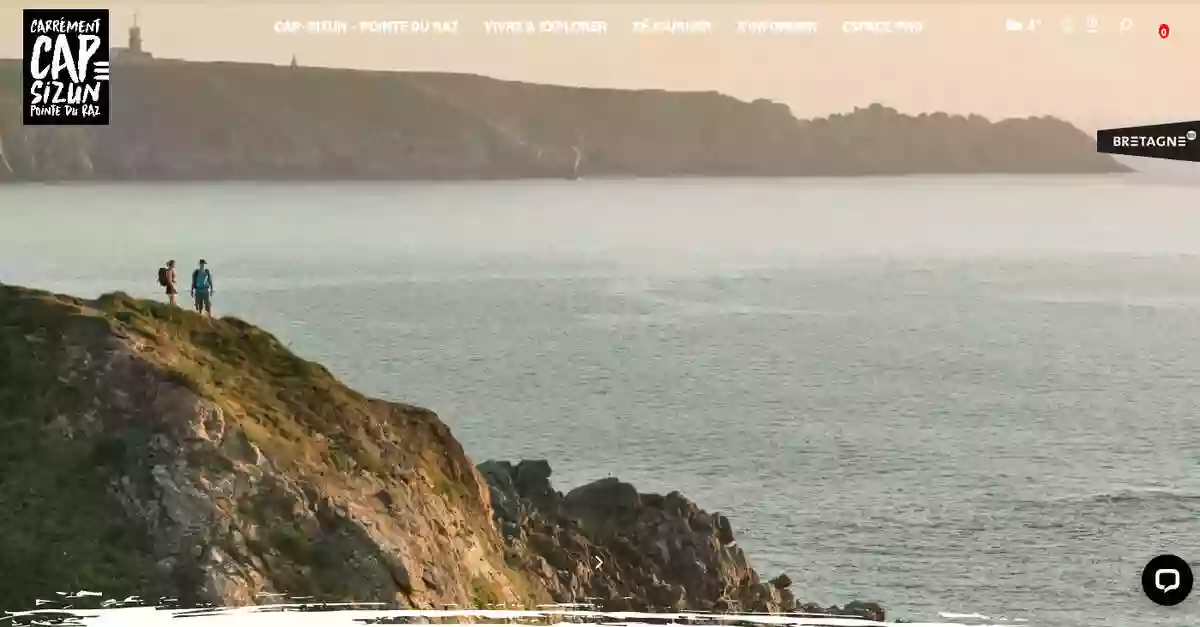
(1166, 574)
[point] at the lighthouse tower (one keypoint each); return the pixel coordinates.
(135, 37)
(134, 53)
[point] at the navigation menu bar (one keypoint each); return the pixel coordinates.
(642, 27)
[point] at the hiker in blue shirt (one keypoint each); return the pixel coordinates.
(202, 289)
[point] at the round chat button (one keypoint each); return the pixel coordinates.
(1167, 580)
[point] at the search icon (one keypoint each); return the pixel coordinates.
(1126, 24)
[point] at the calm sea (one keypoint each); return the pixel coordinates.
(972, 396)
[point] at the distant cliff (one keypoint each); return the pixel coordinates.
(218, 121)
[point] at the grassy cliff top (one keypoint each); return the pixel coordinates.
(283, 400)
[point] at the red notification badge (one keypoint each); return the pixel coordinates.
(1164, 31)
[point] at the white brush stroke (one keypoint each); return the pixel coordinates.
(304, 615)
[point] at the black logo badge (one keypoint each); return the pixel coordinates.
(66, 67)
(1167, 580)
(1179, 141)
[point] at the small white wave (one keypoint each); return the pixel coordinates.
(1114, 300)
(679, 310)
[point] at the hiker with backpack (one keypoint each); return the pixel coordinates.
(202, 289)
(166, 278)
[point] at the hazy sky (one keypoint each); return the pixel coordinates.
(964, 60)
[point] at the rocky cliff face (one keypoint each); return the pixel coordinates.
(623, 550)
(217, 121)
(145, 451)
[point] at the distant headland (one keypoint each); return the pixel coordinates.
(190, 121)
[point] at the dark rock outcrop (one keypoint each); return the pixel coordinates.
(181, 121)
(607, 544)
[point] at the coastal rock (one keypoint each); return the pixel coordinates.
(158, 454)
(608, 544)
(872, 611)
